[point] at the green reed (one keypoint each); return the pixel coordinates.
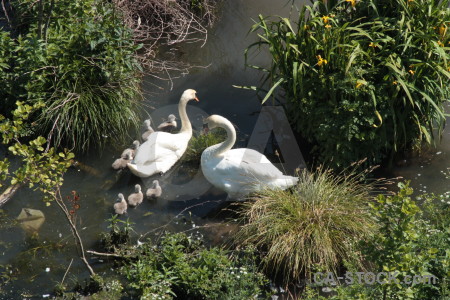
(363, 80)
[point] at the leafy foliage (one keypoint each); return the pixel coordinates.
(411, 241)
(179, 266)
(78, 59)
(315, 226)
(410, 244)
(118, 235)
(361, 78)
(41, 169)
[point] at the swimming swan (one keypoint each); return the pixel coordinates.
(239, 171)
(162, 149)
(122, 162)
(148, 130)
(131, 150)
(136, 198)
(169, 125)
(155, 191)
(120, 207)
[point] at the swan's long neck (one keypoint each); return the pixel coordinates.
(229, 142)
(185, 123)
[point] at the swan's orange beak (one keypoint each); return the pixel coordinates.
(196, 99)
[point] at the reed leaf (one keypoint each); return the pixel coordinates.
(336, 57)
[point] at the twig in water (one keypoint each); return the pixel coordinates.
(67, 271)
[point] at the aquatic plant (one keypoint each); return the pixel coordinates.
(78, 60)
(360, 78)
(200, 142)
(314, 226)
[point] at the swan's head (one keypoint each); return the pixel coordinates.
(188, 95)
(171, 118)
(155, 183)
(214, 121)
(128, 156)
(137, 188)
(121, 197)
(136, 144)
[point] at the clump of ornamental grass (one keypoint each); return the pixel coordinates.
(313, 226)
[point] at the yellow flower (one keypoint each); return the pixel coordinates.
(440, 44)
(359, 84)
(394, 82)
(411, 72)
(325, 19)
(328, 26)
(442, 30)
(353, 2)
(321, 61)
(372, 45)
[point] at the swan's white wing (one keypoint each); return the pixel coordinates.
(158, 146)
(249, 162)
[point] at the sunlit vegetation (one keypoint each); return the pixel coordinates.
(77, 59)
(413, 240)
(314, 226)
(361, 78)
(177, 266)
(200, 142)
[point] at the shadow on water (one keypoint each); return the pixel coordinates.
(187, 197)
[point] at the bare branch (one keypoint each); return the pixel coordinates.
(58, 199)
(161, 23)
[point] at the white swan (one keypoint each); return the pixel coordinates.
(162, 149)
(239, 171)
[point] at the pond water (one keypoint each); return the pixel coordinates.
(41, 261)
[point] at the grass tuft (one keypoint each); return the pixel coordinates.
(314, 226)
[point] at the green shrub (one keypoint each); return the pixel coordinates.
(411, 244)
(364, 78)
(179, 266)
(411, 241)
(316, 226)
(78, 59)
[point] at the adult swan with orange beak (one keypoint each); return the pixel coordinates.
(162, 149)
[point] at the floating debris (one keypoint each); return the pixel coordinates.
(31, 219)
